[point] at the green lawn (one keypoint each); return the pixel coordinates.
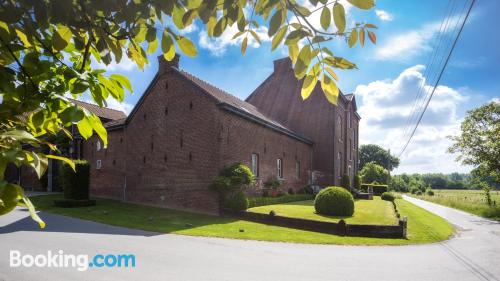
(472, 201)
(423, 227)
(374, 211)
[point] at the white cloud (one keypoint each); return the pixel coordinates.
(125, 64)
(406, 45)
(384, 15)
(385, 107)
(217, 46)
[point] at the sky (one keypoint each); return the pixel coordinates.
(388, 77)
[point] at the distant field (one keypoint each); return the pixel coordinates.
(472, 201)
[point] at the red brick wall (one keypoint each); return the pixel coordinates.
(279, 97)
(108, 181)
(239, 138)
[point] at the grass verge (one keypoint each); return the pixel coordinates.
(423, 227)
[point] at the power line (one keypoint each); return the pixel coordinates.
(439, 77)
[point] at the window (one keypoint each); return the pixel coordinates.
(297, 169)
(98, 145)
(339, 126)
(166, 111)
(350, 150)
(98, 164)
(255, 164)
(279, 164)
(349, 119)
(191, 105)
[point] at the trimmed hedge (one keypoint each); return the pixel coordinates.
(262, 201)
(334, 201)
(378, 189)
(388, 196)
(75, 184)
(237, 203)
(345, 182)
(357, 182)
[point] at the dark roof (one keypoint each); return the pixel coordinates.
(102, 112)
(240, 107)
(115, 123)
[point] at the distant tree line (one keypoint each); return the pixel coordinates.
(409, 182)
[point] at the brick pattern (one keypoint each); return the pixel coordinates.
(279, 98)
(177, 141)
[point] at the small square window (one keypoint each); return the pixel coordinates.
(98, 146)
(98, 164)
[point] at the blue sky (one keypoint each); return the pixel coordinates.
(387, 79)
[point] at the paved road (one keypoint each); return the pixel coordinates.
(474, 254)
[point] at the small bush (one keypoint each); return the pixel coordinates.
(387, 196)
(429, 192)
(272, 183)
(419, 192)
(306, 190)
(237, 203)
(75, 184)
(290, 191)
(357, 182)
(345, 182)
(280, 194)
(414, 190)
(265, 193)
(378, 189)
(334, 201)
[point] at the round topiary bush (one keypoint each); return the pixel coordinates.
(237, 203)
(429, 192)
(334, 201)
(388, 196)
(418, 192)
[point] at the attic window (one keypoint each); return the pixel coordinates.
(166, 85)
(166, 110)
(121, 140)
(191, 105)
(145, 116)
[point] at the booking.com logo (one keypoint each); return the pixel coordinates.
(80, 262)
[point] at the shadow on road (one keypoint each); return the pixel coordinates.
(57, 223)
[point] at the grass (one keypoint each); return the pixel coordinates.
(472, 201)
(261, 201)
(423, 227)
(375, 211)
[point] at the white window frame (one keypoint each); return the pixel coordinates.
(297, 169)
(255, 164)
(98, 164)
(349, 118)
(98, 145)
(279, 165)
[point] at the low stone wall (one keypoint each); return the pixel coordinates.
(340, 228)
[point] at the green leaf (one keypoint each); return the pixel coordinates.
(330, 89)
(293, 52)
(310, 82)
(244, 45)
(61, 37)
(275, 23)
(339, 17)
(67, 160)
(326, 18)
(152, 46)
(303, 61)
(18, 135)
(255, 36)
(96, 124)
(85, 128)
(167, 46)
(353, 38)
(332, 73)
(363, 4)
(278, 37)
(187, 47)
(32, 211)
(361, 34)
(122, 80)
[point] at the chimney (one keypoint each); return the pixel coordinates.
(282, 65)
(164, 65)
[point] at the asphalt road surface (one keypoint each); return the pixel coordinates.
(473, 254)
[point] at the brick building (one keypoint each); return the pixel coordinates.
(183, 131)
